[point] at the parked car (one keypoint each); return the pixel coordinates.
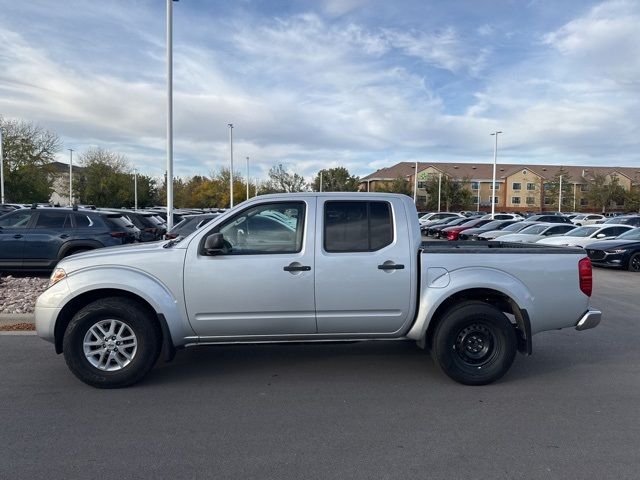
(189, 224)
(513, 228)
(342, 272)
(426, 229)
(151, 227)
(549, 219)
(620, 252)
(583, 236)
(538, 231)
(37, 238)
(6, 208)
(588, 219)
(503, 216)
(432, 217)
(452, 233)
(437, 230)
(633, 220)
(472, 233)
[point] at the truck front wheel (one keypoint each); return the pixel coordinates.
(474, 343)
(111, 343)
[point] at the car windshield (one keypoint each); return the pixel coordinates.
(515, 227)
(493, 225)
(579, 217)
(534, 229)
(582, 232)
(630, 235)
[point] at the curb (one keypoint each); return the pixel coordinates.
(13, 318)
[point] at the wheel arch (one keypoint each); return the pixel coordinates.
(68, 247)
(77, 303)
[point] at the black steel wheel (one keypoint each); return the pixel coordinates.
(474, 343)
(634, 263)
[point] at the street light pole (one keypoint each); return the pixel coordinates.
(169, 182)
(1, 169)
(247, 178)
(493, 188)
(560, 196)
(321, 180)
(231, 160)
(135, 189)
(415, 184)
(70, 175)
(574, 196)
(479, 187)
(439, 188)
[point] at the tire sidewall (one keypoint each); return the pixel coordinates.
(124, 311)
(446, 354)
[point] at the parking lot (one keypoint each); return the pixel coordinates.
(367, 410)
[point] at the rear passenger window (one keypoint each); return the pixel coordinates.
(53, 220)
(83, 221)
(357, 226)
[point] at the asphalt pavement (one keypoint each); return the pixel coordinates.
(368, 410)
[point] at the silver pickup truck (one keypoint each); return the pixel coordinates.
(306, 268)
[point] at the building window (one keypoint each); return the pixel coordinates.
(531, 186)
(547, 201)
(474, 185)
(515, 200)
(496, 200)
(548, 186)
(584, 187)
(422, 184)
(531, 200)
(517, 186)
(584, 202)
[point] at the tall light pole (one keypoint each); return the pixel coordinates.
(493, 187)
(169, 181)
(560, 196)
(439, 188)
(321, 180)
(1, 170)
(247, 178)
(230, 125)
(479, 187)
(574, 196)
(70, 175)
(135, 189)
(415, 184)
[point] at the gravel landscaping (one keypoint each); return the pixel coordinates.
(18, 293)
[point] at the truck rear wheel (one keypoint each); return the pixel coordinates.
(111, 343)
(474, 343)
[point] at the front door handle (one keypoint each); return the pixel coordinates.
(296, 268)
(391, 266)
(64, 235)
(17, 236)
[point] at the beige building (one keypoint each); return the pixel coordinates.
(518, 187)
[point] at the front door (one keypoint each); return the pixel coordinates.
(263, 283)
(13, 230)
(363, 267)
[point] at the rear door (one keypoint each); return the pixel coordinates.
(52, 228)
(13, 230)
(363, 266)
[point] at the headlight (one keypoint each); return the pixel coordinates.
(619, 250)
(57, 275)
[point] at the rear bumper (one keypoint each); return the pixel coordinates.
(589, 320)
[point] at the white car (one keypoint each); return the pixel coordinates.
(513, 228)
(583, 236)
(588, 219)
(502, 216)
(535, 232)
(429, 218)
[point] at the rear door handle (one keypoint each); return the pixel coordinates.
(64, 235)
(17, 236)
(297, 268)
(391, 266)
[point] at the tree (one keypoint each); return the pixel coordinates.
(603, 191)
(28, 150)
(399, 185)
(552, 188)
(281, 181)
(106, 180)
(632, 199)
(453, 193)
(336, 180)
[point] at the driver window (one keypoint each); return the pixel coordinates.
(266, 228)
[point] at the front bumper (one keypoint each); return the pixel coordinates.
(589, 320)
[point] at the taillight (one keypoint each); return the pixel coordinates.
(452, 235)
(586, 277)
(118, 234)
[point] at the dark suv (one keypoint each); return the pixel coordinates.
(151, 226)
(37, 238)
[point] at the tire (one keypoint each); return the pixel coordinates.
(634, 263)
(131, 348)
(474, 343)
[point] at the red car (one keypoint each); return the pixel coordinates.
(453, 232)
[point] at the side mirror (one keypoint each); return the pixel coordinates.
(214, 244)
(600, 235)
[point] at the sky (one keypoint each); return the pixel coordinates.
(315, 84)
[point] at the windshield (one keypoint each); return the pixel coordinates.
(630, 235)
(516, 227)
(534, 229)
(579, 217)
(493, 225)
(582, 232)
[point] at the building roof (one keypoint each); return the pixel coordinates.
(59, 167)
(484, 171)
